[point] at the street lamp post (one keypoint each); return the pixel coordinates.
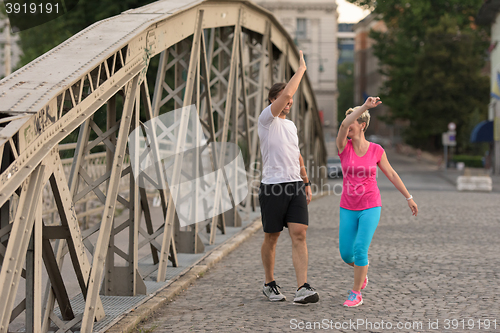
(449, 140)
(7, 49)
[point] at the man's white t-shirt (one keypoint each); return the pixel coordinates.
(279, 145)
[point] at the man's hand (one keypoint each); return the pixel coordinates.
(372, 102)
(308, 194)
(302, 62)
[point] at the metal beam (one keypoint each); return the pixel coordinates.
(74, 242)
(18, 244)
(107, 221)
(225, 127)
(167, 235)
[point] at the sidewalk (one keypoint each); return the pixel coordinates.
(451, 176)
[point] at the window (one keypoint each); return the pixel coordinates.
(301, 32)
(345, 27)
(346, 50)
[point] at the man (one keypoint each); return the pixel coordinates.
(285, 190)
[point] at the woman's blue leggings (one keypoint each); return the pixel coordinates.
(356, 229)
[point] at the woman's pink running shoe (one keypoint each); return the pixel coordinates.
(354, 299)
(365, 283)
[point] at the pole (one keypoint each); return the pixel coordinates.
(445, 157)
(496, 138)
(7, 49)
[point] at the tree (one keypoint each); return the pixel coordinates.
(40, 39)
(450, 86)
(432, 55)
(345, 85)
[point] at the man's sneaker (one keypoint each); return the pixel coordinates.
(272, 292)
(354, 299)
(365, 283)
(306, 294)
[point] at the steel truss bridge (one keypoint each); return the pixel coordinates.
(89, 93)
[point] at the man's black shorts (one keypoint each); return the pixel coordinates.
(282, 203)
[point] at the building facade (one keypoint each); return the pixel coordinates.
(368, 81)
(489, 14)
(313, 26)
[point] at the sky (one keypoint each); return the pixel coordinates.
(349, 13)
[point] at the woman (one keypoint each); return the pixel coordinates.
(360, 203)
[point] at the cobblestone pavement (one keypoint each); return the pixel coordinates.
(424, 272)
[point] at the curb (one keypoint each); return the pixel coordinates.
(135, 316)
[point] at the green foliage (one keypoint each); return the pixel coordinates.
(469, 161)
(449, 85)
(40, 39)
(432, 55)
(36, 41)
(345, 84)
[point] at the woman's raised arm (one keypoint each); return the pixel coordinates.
(370, 102)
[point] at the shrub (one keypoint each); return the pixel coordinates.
(469, 161)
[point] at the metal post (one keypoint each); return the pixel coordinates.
(225, 127)
(110, 275)
(167, 235)
(18, 244)
(7, 49)
(34, 276)
(5, 208)
(445, 157)
(258, 106)
(496, 138)
(109, 208)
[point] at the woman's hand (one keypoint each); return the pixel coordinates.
(372, 102)
(302, 62)
(413, 207)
